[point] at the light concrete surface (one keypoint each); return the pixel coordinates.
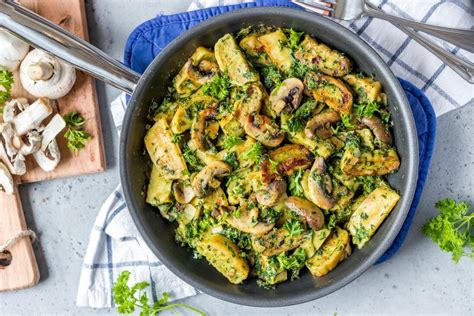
(420, 279)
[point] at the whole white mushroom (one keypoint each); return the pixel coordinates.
(42, 75)
(12, 51)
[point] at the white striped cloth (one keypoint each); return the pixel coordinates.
(115, 244)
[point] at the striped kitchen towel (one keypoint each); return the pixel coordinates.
(116, 245)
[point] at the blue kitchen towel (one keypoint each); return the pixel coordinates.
(149, 38)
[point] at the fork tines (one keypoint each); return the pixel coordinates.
(320, 7)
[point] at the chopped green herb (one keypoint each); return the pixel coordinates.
(218, 87)
(254, 153)
(231, 141)
(231, 159)
(294, 227)
(295, 183)
(6, 83)
(293, 262)
(271, 76)
(191, 158)
(294, 39)
(76, 137)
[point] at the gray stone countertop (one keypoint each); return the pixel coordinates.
(420, 279)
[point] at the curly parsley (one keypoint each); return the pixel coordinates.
(295, 183)
(294, 227)
(452, 229)
(218, 87)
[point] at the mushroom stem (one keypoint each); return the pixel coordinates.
(54, 127)
(6, 180)
(32, 116)
(40, 71)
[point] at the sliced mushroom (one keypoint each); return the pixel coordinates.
(205, 179)
(261, 128)
(190, 78)
(14, 107)
(307, 210)
(15, 163)
(319, 185)
(290, 158)
(270, 195)
(42, 75)
(247, 221)
(49, 158)
(32, 116)
(6, 180)
(10, 139)
(252, 103)
(317, 125)
(183, 192)
(31, 142)
(378, 128)
(12, 52)
(54, 127)
(288, 95)
(199, 127)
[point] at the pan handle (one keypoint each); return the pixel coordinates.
(64, 45)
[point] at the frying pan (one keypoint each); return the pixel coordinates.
(157, 232)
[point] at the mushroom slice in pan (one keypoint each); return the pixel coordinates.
(6, 180)
(317, 126)
(204, 121)
(378, 128)
(319, 185)
(307, 210)
(42, 75)
(261, 128)
(247, 221)
(183, 192)
(287, 95)
(205, 179)
(32, 116)
(14, 107)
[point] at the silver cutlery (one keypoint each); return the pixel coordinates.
(354, 9)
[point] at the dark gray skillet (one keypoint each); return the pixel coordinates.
(158, 233)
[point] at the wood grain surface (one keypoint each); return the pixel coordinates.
(23, 271)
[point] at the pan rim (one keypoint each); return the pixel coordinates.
(411, 159)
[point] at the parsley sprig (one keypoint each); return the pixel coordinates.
(128, 299)
(6, 83)
(452, 229)
(294, 227)
(75, 135)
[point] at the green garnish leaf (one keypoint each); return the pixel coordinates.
(76, 136)
(128, 299)
(271, 76)
(231, 159)
(6, 83)
(452, 229)
(347, 121)
(293, 262)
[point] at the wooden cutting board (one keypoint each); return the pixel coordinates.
(23, 271)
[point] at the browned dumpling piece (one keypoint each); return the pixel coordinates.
(318, 55)
(369, 163)
(331, 91)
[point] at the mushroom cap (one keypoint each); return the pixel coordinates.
(58, 82)
(289, 93)
(12, 52)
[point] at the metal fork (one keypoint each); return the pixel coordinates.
(353, 9)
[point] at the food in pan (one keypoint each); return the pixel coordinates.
(271, 153)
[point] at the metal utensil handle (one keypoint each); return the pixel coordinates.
(463, 68)
(43, 34)
(461, 38)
